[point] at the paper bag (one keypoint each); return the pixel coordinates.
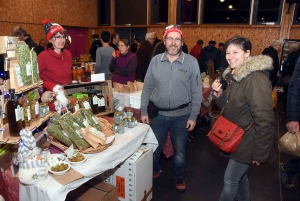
(289, 143)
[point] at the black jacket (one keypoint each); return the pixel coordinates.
(293, 97)
(144, 57)
(39, 49)
(210, 52)
(95, 45)
(271, 52)
(31, 44)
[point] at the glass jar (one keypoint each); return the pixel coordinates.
(45, 152)
(129, 112)
(125, 122)
(117, 117)
(130, 123)
(121, 128)
(134, 120)
(74, 73)
(114, 127)
(42, 111)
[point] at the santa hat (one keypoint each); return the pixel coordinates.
(51, 28)
(50, 86)
(172, 28)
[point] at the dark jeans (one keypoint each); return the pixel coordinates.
(293, 167)
(179, 134)
(235, 182)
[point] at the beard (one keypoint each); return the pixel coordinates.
(61, 97)
(173, 52)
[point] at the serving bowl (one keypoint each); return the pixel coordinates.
(60, 172)
(77, 163)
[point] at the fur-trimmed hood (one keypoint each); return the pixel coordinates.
(253, 63)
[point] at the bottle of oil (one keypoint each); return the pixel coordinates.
(101, 101)
(93, 100)
(15, 115)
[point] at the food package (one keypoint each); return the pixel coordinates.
(80, 119)
(91, 119)
(35, 67)
(15, 75)
(57, 132)
(55, 118)
(289, 143)
(95, 135)
(23, 56)
(92, 142)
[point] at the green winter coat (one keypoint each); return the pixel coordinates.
(250, 100)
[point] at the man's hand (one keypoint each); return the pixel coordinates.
(190, 125)
(293, 126)
(145, 119)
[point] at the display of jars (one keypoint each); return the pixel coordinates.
(125, 122)
(129, 112)
(130, 123)
(117, 117)
(121, 128)
(114, 127)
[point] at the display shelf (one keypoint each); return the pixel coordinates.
(106, 88)
(27, 88)
(5, 137)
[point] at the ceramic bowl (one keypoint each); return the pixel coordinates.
(61, 172)
(76, 163)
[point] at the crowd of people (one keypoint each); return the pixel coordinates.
(173, 87)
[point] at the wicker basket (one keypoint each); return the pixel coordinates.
(106, 129)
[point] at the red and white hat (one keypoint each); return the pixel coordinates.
(51, 28)
(172, 28)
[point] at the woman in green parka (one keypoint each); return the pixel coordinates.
(247, 99)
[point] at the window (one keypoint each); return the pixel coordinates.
(187, 11)
(296, 19)
(226, 11)
(104, 12)
(131, 12)
(159, 11)
(267, 11)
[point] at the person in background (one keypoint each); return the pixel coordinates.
(272, 51)
(95, 45)
(247, 100)
(288, 67)
(135, 46)
(196, 50)
(223, 64)
(40, 47)
(209, 52)
(123, 67)
(115, 38)
(104, 56)
(23, 36)
(156, 39)
(293, 119)
(173, 83)
(55, 62)
(144, 57)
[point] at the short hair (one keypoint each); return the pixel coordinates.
(293, 47)
(221, 44)
(149, 35)
(125, 41)
(105, 36)
(95, 36)
(19, 31)
(212, 42)
(136, 39)
(241, 42)
(200, 42)
(276, 42)
(114, 35)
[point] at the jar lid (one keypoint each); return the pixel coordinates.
(129, 110)
(45, 148)
(117, 114)
(121, 123)
(130, 119)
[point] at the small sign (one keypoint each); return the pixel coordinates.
(98, 77)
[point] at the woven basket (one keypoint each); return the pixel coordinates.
(106, 129)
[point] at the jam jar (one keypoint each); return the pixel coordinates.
(121, 128)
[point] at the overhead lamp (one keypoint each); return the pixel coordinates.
(230, 7)
(222, 1)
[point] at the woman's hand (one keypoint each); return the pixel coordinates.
(256, 162)
(216, 87)
(145, 119)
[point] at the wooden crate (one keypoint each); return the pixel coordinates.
(106, 88)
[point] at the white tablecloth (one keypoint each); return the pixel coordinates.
(123, 147)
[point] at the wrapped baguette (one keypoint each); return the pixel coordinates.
(91, 119)
(92, 142)
(95, 135)
(55, 118)
(80, 119)
(56, 132)
(74, 135)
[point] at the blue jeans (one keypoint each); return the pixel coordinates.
(235, 182)
(179, 134)
(293, 167)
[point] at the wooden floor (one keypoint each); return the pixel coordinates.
(205, 170)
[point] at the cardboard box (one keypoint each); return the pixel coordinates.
(133, 177)
(95, 190)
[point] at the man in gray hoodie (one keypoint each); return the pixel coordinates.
(173, 84)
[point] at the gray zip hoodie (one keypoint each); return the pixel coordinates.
(169, 85)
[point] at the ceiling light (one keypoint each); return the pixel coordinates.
(222, 0)
(230, 7)
(227, 18)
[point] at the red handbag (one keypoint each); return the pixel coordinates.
(226, 135)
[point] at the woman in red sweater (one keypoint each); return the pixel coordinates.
(55, 63)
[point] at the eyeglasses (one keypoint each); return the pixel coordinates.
(59, 37)
(170, 39)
